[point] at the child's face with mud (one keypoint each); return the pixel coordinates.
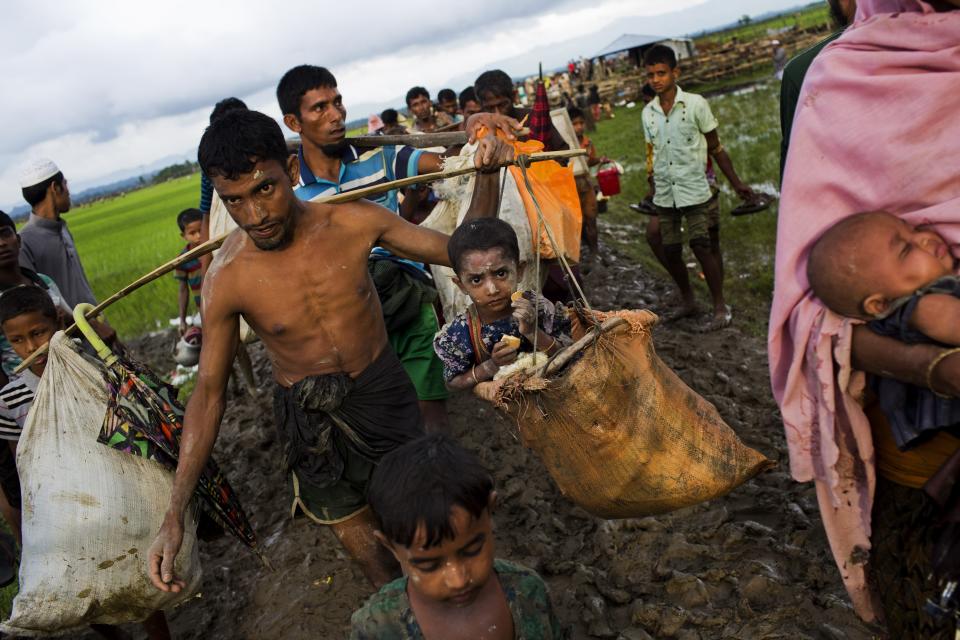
(489, 277)
(28, 332)
(453, 572)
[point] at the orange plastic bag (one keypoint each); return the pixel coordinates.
(620, 433)
(556, 191)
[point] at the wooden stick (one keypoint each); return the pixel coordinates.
(214, 243)
(419, 140)
(416, 140)
(565, 355)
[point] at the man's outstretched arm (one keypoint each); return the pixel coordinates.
(201, 424)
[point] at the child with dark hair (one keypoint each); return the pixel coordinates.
(28, 319)
(13, 275)
(588, 196)
(189, 274)
(433, 502)
(499, 324)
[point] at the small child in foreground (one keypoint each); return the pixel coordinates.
(903, 279)
(434, 501)
(189, 274)
(499, 324)
(29, 319)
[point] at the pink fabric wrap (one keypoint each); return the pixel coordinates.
(877, 127)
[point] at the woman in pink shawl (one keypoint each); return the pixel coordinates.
(877, 127)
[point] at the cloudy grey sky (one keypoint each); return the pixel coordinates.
(108, 88)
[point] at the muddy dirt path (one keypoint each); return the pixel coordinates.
(751, 565)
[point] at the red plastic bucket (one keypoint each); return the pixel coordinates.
(609, 180)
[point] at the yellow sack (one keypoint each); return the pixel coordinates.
(621, 434)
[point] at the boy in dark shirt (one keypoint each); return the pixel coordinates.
(433, 501)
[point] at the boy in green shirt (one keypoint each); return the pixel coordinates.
(683, 131)
(433, 502)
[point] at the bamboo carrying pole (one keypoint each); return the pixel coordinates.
(214, 243)
(419, 140)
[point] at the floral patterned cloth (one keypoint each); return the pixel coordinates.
(455, 349)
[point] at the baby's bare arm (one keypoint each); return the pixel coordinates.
(937, 316)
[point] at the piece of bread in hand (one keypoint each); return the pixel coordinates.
(512, 341)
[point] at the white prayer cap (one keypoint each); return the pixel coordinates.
(36, 171)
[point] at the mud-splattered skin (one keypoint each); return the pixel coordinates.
(453, 589)
(297, 272)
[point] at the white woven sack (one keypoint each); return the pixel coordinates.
(455, 194)
(90, 513)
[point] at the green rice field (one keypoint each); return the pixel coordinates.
(122, 238)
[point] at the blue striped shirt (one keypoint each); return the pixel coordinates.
(362, 168)
(206, 193)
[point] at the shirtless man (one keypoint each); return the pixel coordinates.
(297, 273)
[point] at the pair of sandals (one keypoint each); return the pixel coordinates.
(760, 202)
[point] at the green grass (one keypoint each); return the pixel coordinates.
(814, 15)
(122, 238)
(750, 131)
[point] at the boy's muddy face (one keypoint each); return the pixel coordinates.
(489, 278)
(453, 572)
(191, 233)
(262, 203)
(28, 332)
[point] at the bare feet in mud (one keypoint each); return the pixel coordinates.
(722, 318)
(687, 310)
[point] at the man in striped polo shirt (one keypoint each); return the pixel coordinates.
(313, 107)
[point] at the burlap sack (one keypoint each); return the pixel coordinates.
(621, 434)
